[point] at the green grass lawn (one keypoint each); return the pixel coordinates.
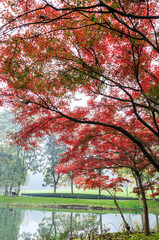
(40, 202)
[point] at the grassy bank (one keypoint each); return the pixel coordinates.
(42, 202)
(126, 236)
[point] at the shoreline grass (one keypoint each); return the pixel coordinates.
(128, 236)
(50, 203)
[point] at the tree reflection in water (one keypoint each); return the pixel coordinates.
(63, 225)
(17, 224)
(10, 221)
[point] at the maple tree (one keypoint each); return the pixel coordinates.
(94, 150)
(104, 49)
(92, 180)
(68, 173)
(149, 182)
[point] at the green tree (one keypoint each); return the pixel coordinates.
(13, 172)
(50, 158)
(14, 160)
(7, 125)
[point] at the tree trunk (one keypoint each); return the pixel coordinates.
(142, 222)
(18, 189)
(10, 191)
(145, 207)
(137, 184)
(157, 222)
(71, 221)
(101, 225)
(125, 223)
(140, 199)
(153, 197)
(72, 185)
(116, 204)
(55, 186)
(6, 191)
(51, 226)
(55, 180)
(99, 191)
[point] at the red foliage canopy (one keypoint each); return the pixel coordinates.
(106, 50)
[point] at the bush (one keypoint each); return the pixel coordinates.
(76, 196)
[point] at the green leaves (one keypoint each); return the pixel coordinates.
(154, 92)
(93, 18)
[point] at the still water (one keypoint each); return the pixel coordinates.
(19, 224)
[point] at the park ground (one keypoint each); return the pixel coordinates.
(43, 202)
(50, 203)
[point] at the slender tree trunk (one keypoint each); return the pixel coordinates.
(71, 218)
(142, 222)
(157, 222)
(125, 223)
(137, 184)
(6, 191)
(71, 185)
(145, 207)
(140, 199)
(127, 190)
(99, 191)
(101, 225)
(52, 225)
(55, 186)
(152, 195)
(18, 189)
(10, 191)
(55, 180)
(116, 204)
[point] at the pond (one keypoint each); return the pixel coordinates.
(20, 224)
